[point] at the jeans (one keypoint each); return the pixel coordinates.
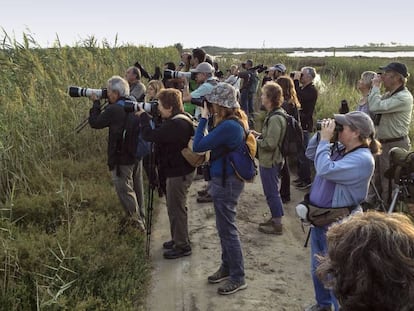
(270, 183)
(225, 202)
(246, 101)
(324, 297)
(304, 164)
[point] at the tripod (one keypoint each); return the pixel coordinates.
(400, 194)
(150, 200)
(85, 121)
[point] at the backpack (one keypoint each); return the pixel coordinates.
(143, 146)
(242, 158)
(130, 135)
(195, 159)
(292, 142)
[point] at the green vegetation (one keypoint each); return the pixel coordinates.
(58, 210)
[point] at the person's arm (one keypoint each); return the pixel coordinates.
(394, 103)
(312, 146)
(273, 135)
(98, 119)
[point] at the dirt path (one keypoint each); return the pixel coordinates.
(277, 267)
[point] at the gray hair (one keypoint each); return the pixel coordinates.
(120, 85)
(367, 77)
(311, 71)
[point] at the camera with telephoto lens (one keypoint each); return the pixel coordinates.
(76, 91)
(200, 101)
(171, 74)
(260, 68)
(338, 127)
(133, 106)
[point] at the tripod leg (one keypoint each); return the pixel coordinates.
(394, 199)
(150, 202)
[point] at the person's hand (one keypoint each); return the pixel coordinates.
(327, 129)
(139, 112)
(377, 80)
(93, 96)
(205, 112)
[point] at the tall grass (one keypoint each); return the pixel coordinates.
(58, 210)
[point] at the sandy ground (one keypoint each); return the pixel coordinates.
(277, 267)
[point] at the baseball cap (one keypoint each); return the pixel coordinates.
(203, 67)
(223, 94)
(359, 120)
(279, 67)
(397, 67)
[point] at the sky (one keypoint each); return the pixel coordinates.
(231, 24)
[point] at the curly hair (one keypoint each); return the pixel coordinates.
(370, 262)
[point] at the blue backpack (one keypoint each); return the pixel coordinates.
(242, 158)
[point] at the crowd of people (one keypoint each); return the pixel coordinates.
(340, 165)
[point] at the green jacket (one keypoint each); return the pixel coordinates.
(273, 131)
(395, 110)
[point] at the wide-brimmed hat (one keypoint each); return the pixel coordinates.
(223, 94)
(357, 120)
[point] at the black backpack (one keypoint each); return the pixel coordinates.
(292, 142)
(130, 135)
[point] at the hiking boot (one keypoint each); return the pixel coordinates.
(218, 276)
(272, 228)
(230, 287)
(317, 307)
(303, 185)
(168, 245)
(177, 252)
(205, 199)
(266, 223)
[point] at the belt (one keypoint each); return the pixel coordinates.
(391, 140)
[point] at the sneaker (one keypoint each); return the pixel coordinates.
(303, 185)
(205, 199)
(202, 193)
(177, 252)
(218, 276)
(266, 223)
(230, 287)
(168, 245)
(317, 307)
(273, 228)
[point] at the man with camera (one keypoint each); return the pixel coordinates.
(136, 87)
(120, 161)
(205, 81)
(392, 117)
(307, 95)
(248, 88)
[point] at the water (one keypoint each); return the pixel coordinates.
(352, 54)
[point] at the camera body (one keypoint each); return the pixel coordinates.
(205, 168)
(200, 101)
(171, 74)
(133, 106)
(338, 127)
(76, 91)
(260, 68)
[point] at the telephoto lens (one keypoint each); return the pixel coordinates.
(76, 91)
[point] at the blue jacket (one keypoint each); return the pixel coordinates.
(226, 135)
(346, 178)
